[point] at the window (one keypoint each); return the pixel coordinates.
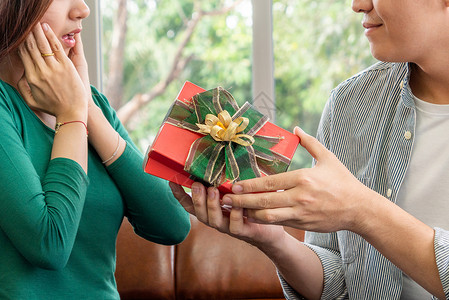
(286, 55)
(317, 45)
(169, 42)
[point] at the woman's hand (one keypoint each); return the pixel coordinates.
(51, 84)
(297, 263)
(324, 198)
(78, 59)
(206, 206)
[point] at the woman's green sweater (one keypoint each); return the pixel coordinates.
(58, 226)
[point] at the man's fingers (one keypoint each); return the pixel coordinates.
(277, 216)
(264, 200)
(266, 184)
(311, 144)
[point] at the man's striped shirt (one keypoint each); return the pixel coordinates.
(369, 124)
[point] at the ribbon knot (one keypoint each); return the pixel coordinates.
(230, 148)
(223, 129)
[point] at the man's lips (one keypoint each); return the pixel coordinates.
(367, 25)
(370, 27)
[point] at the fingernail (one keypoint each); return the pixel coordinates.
(237, 188)
(227, 200)
(298, 129)
(195, 190)
(45, 26)
(212, 192)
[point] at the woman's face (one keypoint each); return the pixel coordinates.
(64, 18)
(403, 30)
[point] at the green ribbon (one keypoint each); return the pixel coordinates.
(214, 161)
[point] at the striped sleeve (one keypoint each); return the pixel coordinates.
(441, 244)
(325, 246)
(289, 292)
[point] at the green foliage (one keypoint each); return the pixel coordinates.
(317, 44)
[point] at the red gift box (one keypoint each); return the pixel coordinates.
(166, 157)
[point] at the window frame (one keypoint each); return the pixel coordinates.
(92, 41)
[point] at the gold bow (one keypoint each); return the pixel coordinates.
(223, 128)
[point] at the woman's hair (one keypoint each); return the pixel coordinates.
(17, 18)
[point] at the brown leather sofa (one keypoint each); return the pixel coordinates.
(207, 265)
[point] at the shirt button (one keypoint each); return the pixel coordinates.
(408, 135)
(389, 193)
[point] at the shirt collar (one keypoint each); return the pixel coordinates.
(406, 91)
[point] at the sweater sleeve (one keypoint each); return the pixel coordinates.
(40, 216)
(151, 208)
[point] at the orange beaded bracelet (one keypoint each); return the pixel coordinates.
(58, 125)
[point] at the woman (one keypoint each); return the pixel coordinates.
(375, 202)
(69, 172)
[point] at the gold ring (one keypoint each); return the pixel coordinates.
(47, 54)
